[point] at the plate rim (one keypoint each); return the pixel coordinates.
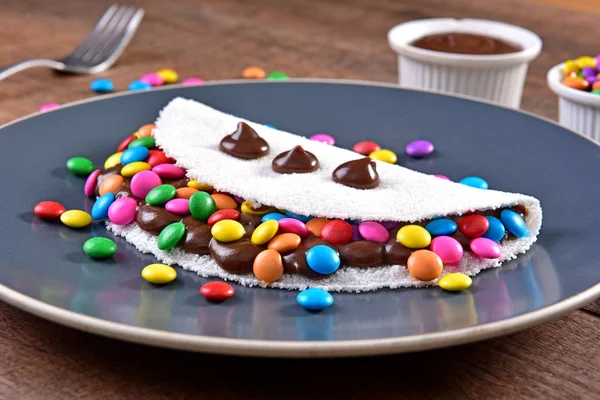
(296, 349)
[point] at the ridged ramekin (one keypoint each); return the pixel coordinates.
(498, 78)
(577, 110)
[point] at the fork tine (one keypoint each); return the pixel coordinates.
(103, 35)
(100, 26)
(120, 38)
(112, 35)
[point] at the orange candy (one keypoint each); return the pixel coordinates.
(284, 242)
(596, 85)
(425, 265)
(146, 130)
(224, 202)
(315, 225)
(254, 73)
(268, 266)
(110, 184)
(576, 83)
(185, 192)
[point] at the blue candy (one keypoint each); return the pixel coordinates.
(323, 259)
(496, 229)
(133, 154)
(441, 227)
(139, 85)
(302, 218)
(474, 181)
(314, 299)
(270, 126)
(275, 216)
(102, 86)
(514, 223)
(100, 207)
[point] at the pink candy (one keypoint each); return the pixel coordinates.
(122, 211)
(444, 177)
(178, 206)
(49, 106)
(143, 182)
(90, 183)
(374, 231)
(292, 225)
(323, 138)
(152, 79)
(193, 81)
(448, 248)
(486, 248)
(169, 171)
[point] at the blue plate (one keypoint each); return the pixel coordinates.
(44, 270)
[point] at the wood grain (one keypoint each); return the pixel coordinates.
(216, 39)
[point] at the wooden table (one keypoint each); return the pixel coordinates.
(216, 39)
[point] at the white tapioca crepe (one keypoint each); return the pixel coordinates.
(190, 132)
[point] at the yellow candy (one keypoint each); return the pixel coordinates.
(134, 168)
(585, 61)
(384, 155)
(159, 274)
(264, 232)
(200, 186)
(76, 218)
(227, 230)
(247, 208)
(413, 237)
(168, 75)
(455, 281)
(137, 134)
(113, 161)
(570, 66)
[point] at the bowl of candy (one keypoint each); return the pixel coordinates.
(577, 84)
(472, 57)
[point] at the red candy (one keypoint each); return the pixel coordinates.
(366, 148)
(126, 142)
(49, 210)
(223, 214)
(337, 232)
(157, 157)
(473, 226)
(217, 291)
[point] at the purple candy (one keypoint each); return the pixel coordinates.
(323, 138)
(238, 199)
(389, 225)
(591, 79)
(419, 148)
(589, 71)
(356, 233)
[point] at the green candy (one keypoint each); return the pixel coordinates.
(202, 206)
(160, 195)
(99, 247)
(171, 235)
(147, 141)
(277, 75)
(80, 165)
(596, 91)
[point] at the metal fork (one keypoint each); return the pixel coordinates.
(99, 51)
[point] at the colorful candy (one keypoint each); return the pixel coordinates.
(146, 141)
(575, 82)
(133, 154)
(374, 231)
(185, 192)
(365, 148)
(248, 208)
(146, 130)
(315, 225)
(384, 155)
(152, 79)
(49, 107)
(292, 225)
(254, 73)
(323, 138)
(171, 235)
(217, 291)
(224, 202)
(336, 232)
(113, 160)
(222, 215)
(441, 227)
(473, 226)
(419, 148)
(101, 206)
(123, 145)
(133, 168)
(122, 211)
(268, 266)
(425, 265)
(202, 206)
(139, 85)
(413, 237)
(581, 73)
(514, 223)
(110, 184)
(272, 216)
(474, 181)
(157, 157)
(314, 299)
(193, 81)
(447, 248)
(169, 171)
(323, 259)
(486, 248)
(80, 166)
(455, 282)
(496, 230)
(227, 231)
(264, 232)
(89, 188)
(277, 75)
(159, 274)
(99, 247)
(299, 217)
(143, 182)
(285, 242)
(200, 186)
(178, 206)
(49, 210)
(102, 86)
(168, 75)
(75, 218)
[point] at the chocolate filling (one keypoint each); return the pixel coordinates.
(465, 43)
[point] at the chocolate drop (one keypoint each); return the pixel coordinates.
(235, 257)
(359, 174)
(197, 236)
(154, 219)
(244, 143)
(297, 160)
(396, 253)
(363, 254)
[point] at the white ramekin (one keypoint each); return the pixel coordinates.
(498, 78)
(577, 110)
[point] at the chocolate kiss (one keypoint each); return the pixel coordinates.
(296, 160)
(359, 174)
(244, 143)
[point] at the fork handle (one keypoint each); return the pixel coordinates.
(26, 64)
